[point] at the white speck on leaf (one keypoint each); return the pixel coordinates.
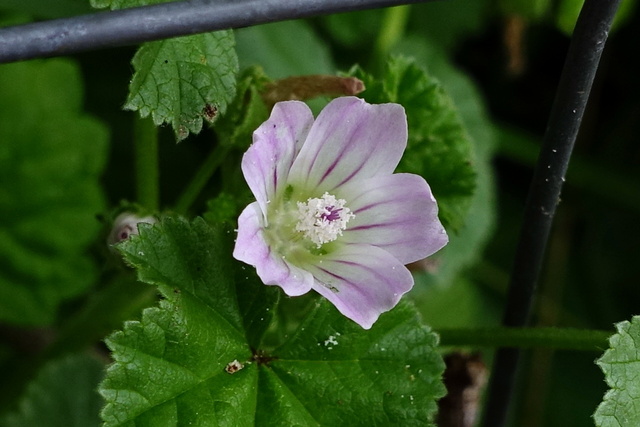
(331, 341)
(233, 367)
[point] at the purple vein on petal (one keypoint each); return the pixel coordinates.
(385, 224)
(256, 233)
(346, 149)
(347, 146)
(317, 153)
(275, 181)
(353, 285)
(268, 252)
(354, 173)
(288, 273)
(365, 267)
(374, 205)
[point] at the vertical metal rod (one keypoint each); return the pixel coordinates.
(566, 115)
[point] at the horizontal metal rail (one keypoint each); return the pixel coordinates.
(132, 26)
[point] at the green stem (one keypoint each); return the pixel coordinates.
(147, 167)
(394, 22)
(199, 181)
(556, 338)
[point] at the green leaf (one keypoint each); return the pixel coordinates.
(63, 395)
(171, 363)
(171, 368)
(223, 208)
(621, 367)
(439, 148)
(246, 112)
(184, 80)
(51, 158)
(466, 246)
(387, 376)
(353, 29)
(284, 49)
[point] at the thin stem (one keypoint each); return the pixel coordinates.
(564, 122)
(147, 167)
(199, 181)
(160, 21)
(394, 22)
(554, 338)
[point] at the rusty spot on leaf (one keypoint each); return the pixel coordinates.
(210, 112)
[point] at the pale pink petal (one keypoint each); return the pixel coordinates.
(276, 144)
(272, 269)
(362, 281)
(396, 213)
(351, 140)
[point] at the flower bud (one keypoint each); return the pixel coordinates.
(125, 225)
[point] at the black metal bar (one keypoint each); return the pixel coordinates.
(136, 25)
(570, 102)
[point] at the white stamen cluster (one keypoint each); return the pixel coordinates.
(322, 220)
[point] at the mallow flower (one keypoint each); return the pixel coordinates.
(330, 214)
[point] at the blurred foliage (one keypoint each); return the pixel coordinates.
(49, 189)
(283, 49)
(63, 395)
(568, 10)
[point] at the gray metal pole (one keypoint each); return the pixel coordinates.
(132, 26)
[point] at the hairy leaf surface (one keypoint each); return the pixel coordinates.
(439, 148)
(181, 81)
(199, 358)
(621, 367)
(184, 80)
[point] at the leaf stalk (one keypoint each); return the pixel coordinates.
(551, 338)
(147, 164)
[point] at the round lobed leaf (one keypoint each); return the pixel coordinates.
(197, 359)
(621, 367)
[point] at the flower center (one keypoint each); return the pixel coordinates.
(322, 220)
